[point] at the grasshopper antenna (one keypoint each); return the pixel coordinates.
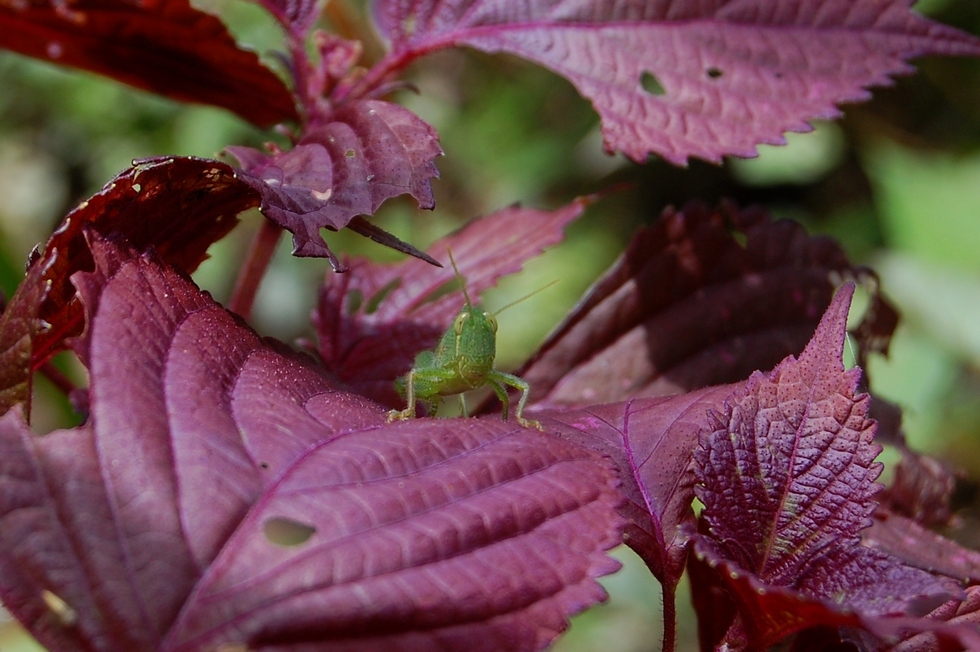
(526, 297)
(462, 281)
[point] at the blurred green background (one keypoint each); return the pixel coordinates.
(897, 181)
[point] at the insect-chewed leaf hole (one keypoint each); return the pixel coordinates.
(374, 302)
(714, 73)
(448, 287)
(651, 84)
(286, 532)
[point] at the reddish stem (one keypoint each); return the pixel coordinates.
(57, 378)
(670, 618)
(256, 263)
(302, 70)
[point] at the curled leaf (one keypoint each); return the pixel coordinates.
(349, 160)
(178, 205)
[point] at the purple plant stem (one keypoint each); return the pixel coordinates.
(57, 378)
(256, 263)
(669, 643)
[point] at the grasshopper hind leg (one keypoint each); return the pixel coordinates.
(497, 380)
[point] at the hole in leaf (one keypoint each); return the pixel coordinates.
(350, 153)
(651, 84)
(286, 532)
(375, 302)
(354, 300)
(714, 73)
(740, 238)
(263, 465)
(450, 286)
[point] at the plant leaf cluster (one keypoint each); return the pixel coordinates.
(226, 491)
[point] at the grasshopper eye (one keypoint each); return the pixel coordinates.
(460, 320)
(492, 320)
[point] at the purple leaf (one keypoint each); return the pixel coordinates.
(164, 46)
(373, 320)
(963, 615)
(684, 79)
(432, 536)
(768, 613)
(689, 305)
(295, 15)
(57, 537)
(922, 489)
(909, 541)
(786, 477)
(225, 492)
(349, 160)
(651, 441)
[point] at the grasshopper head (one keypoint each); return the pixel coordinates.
(475, 332)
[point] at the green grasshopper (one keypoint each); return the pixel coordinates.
(463, 360)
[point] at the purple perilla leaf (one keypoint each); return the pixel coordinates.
(687, 78)
(164, 46)
(768, 614)
(439, 534)
(225, 491)
(651, 442)
(963, 617)
(373, 320)
(57, 537)
(349, 160)
(909, 541)
(787, 479)
(922, 489)
(689, 305)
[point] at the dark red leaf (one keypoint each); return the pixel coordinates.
(909, 541)
(164, 46)
(20, 326)
(688, 306)
(684, 79)
(226, 492)
(373, 320)
(718, 586)
(178, 205)
(349, 161)
(776, 612)
(786, 477)
(922, 489)
(964, 615)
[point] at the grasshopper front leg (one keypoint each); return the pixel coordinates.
(497, 380)
(423, 384)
